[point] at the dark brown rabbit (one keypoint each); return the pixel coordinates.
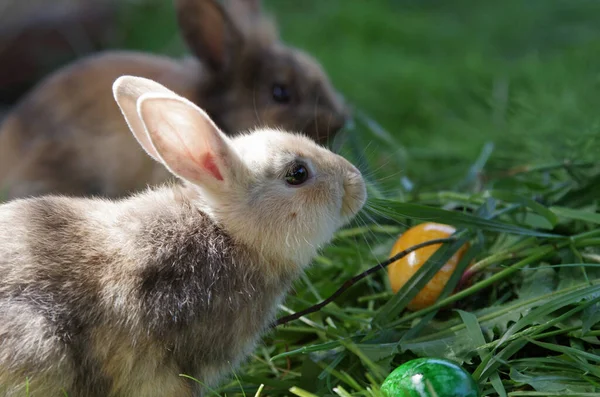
(117, 298)
(66, 136)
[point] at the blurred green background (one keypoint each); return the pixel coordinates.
(441, 77)
(445, 77)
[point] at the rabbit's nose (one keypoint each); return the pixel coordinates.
(355, 192)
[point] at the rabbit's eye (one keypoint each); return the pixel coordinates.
(281, 93)
(297, 175)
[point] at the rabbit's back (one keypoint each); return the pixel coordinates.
(67, 135)
(45, 299)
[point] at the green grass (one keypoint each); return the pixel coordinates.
(480, 114)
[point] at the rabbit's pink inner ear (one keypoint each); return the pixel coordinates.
(208, 163)
(188, 142)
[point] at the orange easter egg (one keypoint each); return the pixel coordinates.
(403, 269)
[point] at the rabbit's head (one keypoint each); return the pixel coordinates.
(277, 192)
(257, 80)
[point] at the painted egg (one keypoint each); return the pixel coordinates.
(429, 377)
(403, 269)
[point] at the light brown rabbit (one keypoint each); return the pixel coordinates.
(67, 135)
(119, 297)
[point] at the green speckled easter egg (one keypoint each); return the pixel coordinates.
(429, 377)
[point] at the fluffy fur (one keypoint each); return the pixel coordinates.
(67, 137)
(117, 298)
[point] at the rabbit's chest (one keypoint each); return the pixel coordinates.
(204, 300)
(207, 350)
(227, 337)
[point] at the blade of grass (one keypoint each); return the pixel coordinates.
(474, 330)
(476, 169)
(568, 351)
(301, 392)
(580, 215)
(398, 211)
(212, 391)
(511, 197)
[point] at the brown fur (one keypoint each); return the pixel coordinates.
(67, 135)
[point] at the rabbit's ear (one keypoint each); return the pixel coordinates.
(210, 32)
(188, 142)
(127, 90)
